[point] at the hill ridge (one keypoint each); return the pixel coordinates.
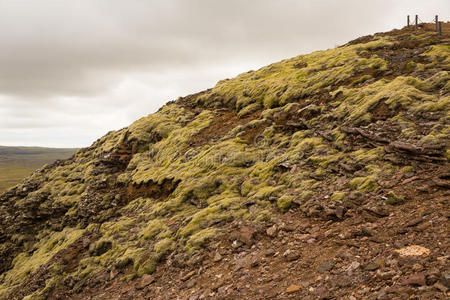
(309, 177)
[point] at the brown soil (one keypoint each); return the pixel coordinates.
(222, 123)
(151, 189)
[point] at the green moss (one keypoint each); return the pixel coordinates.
(153, 228)
(365, 184)
(149, 266)
(407, 169)
(365, 156)
(49, 243)
(249, 109)
(360, 80)
(439, 53)
(267, 191)
(163, 246)
(99, 247)
(338, 196)
(199, 239)
(118, 227)
(358, 103)
(379, 43)
(306, 195)
(284, 202)
(393, 199)
(216, 212)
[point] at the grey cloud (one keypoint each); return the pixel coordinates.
(78, 47)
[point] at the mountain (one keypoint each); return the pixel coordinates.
(16, 163)
(323, 176)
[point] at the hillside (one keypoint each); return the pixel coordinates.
(16, 163)
(323, 176)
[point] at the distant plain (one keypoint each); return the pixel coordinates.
(16, 163)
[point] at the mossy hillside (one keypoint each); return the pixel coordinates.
(25, 264)
(298, 77)
(312, 163)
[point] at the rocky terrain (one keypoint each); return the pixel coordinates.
(323, 176)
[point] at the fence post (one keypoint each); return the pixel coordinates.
(436, 21)
(440, 28)
(407, 21)
(417, 21)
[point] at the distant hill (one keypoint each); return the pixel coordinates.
(18, 162)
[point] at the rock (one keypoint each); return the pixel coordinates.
(385, 275)
(269, 252)
(441, 287)
(322, 293)
(417, 267)
(423, 226)
(191, 283)
(303, 237)
(414, 222)
(113, 274)
(413, 250)
(188, 275)
(293, 288)
(86, 242)
(446, 279)
(254, 262)
(217, 257)
(371, 266)
(246, 235)
(291, 255)
(382, 295)
(325, 266)
(342, 281)
(272, 231)
(145, 281)
(236, 244)
(311, 241)
(416, 279)
(353, 266)
(367, 231)
(433, 276)
(340, 211)
(287, 227)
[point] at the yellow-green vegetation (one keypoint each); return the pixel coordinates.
(338, 196)
(49, 244)
(284, 202)
(393, 199)
(284, 82)
(187, 179)
(366, 184)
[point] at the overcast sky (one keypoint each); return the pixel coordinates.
(72, 70)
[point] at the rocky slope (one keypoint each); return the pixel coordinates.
(322, 176)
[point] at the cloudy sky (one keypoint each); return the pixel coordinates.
(72, 70)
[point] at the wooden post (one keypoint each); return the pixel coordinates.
(407, 21)
(417, 21)
(440, 28)
(436, 21)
